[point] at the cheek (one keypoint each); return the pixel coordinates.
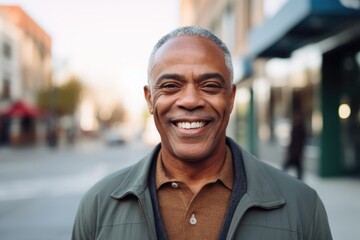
(162, 103)
(223, 110)
(160, 108)
(221, 105)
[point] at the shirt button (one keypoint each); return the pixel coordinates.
(193, 220)
(174, 185)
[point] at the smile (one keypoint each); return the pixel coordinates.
(190, 125)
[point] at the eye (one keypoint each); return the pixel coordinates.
(169, 85)
(212, 87)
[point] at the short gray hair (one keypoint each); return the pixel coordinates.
(197, 32)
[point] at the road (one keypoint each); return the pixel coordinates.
(40, 188)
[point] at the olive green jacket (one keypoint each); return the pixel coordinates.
(276, 206)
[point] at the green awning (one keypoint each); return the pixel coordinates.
(301, 22)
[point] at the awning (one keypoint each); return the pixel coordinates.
(20, 109)
(301, 22)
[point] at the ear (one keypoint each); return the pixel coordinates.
(147, 95)
(232, 96)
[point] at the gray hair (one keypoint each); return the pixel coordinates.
(197, 32)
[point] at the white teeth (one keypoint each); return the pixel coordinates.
(188, 125)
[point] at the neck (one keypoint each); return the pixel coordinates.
(195, 174)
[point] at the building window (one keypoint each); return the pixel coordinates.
(228, 28)
(7, 50)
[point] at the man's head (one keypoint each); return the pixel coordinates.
(190, 93)
(193, 31)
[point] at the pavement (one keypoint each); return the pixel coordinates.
(340, 195)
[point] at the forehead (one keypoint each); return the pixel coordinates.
(193, 43)
(189, 50)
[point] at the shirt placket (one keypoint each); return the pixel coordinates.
(193, 214)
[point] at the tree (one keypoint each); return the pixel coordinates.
(69, 96)
(63, 99)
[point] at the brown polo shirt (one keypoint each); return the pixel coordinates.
(189, 216)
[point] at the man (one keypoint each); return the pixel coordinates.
(197, 184)
(295, 150)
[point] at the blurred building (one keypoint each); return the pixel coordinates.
(25, 68)
(292, 56)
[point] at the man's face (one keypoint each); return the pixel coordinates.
(191, 97)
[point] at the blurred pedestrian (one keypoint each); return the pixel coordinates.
(198, 183)
(295, 150)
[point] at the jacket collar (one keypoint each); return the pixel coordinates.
(136, 180)
(261, 189)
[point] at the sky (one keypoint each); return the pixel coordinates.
(105, 42)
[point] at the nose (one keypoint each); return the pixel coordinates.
(190, 98)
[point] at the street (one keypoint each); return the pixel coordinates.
(40, 189)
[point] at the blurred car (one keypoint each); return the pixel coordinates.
(113, 136)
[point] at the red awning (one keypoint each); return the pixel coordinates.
(20, 109)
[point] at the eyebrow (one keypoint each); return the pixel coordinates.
(170, 76)
(201, 77)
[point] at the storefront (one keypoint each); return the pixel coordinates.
(306, 59)
(18, 125)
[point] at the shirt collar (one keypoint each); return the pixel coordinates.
(225, 175)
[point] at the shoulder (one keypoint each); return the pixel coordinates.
(130, 179)
(100, 194)
(125, 179)
(301, 201)
(292, 189)
(99, 203)
(302, 204)
(90, 205)
(106, 185)
(266, 183)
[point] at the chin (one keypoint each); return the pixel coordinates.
(191, 153)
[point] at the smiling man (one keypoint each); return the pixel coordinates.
(197, 184)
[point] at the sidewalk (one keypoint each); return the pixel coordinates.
(341, 196)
